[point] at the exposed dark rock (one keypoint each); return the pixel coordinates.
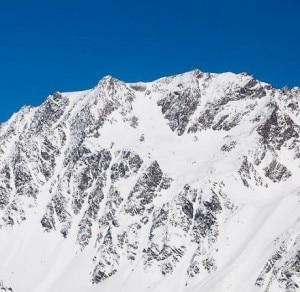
(4, 288)
(141, 197)
(278, 129)
(109, 260)
(277, 172)
(178, 107)
(249, 174)
(129, 164)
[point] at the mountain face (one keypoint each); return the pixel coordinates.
(188, 183)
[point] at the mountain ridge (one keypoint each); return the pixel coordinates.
(149, 186)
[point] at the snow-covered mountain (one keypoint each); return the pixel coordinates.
(189, 183)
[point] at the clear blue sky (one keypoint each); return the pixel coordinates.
(48, 46)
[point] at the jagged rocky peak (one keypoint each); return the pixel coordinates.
(112, 87)
(109, 84)
(172, 185)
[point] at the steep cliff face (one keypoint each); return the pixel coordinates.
(188, 183)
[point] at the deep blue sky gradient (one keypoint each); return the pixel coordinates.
(48, 46)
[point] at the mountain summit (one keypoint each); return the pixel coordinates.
(188, 183)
